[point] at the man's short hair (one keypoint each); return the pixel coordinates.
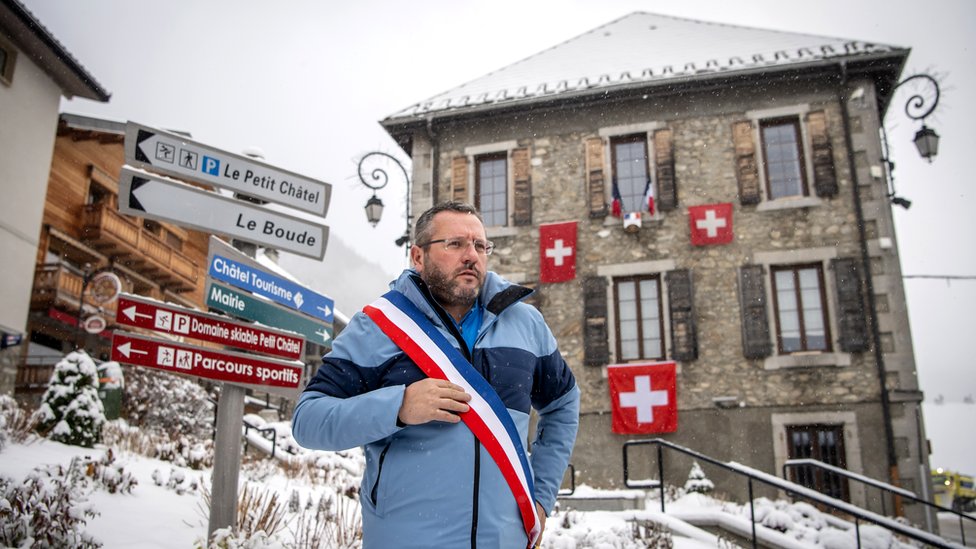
(423, 228)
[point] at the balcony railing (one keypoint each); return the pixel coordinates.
(116, 235)
(55, 285)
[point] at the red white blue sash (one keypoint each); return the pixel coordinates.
(487, 418)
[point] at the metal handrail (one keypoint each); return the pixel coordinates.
(789, 487)
(263, 432)
(881, 486)
(572, 482)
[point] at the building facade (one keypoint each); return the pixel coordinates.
(36, 71)
(767, 269)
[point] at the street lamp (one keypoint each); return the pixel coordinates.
(919, 107)
(376, 179)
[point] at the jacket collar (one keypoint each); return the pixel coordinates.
(497, 294)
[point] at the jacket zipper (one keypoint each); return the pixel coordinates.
(379, 472)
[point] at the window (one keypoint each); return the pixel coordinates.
(98, 195)
(491, 188)
(8, 57)
(823, 443)
(783, 157)
(640, 325)
(630, 171)
(800, 305)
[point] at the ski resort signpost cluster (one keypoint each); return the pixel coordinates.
(268, 353)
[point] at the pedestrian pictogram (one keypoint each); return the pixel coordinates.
(188, 159)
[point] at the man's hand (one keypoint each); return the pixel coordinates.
(433, 400)
(542, 523)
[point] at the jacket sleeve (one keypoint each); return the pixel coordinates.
(553, 446)
(343, 405)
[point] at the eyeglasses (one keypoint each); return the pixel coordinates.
(458, 244)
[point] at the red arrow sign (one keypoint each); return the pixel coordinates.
(264, 374)
(170, 319)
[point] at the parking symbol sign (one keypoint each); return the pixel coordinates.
(211, 165)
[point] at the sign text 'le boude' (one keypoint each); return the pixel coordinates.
(139, 312)
(146, 195)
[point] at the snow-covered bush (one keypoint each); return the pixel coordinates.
(697, 481)
(162, 403)
(109, 475)
(16, 425)
(47, 510)
(70, 410)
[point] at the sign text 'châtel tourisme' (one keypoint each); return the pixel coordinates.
(177, 155)
(152, 315)
(273, 287)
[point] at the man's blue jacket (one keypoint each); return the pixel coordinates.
(434, 485)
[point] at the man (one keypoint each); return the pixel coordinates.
(430, 480)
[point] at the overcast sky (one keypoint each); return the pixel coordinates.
(307, 81)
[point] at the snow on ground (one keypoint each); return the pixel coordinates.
(164, 511)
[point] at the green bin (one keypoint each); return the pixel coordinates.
(110, 387)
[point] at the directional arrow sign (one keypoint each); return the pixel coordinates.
(243, 305)
(263, 374)
(232, 267)
(152, 315)
(145, 195)
(172, 154)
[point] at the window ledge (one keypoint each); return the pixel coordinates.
(611, 221)
(789, 203)
(779, 362)
(501, 232)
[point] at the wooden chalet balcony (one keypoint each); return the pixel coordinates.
(118, 236)
(57, 286)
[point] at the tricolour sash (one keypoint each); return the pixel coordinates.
(487, 418)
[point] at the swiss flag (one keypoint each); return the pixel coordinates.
(710, 224)
(557, 252)
(643, 398)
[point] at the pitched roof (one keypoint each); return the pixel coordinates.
(28, 34)
(640, 49)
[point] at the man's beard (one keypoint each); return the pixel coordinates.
(447, 290)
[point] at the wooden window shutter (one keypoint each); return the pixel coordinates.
(596, 347)
(850, 305)
(755, 324)
(746, 168)
(824, 177)
(667, 195)
(459, 179)
(523, 187)
(595, 178)
(684, 338)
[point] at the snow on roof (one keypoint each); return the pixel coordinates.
(640, 48)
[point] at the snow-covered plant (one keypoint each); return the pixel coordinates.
(110, 475)
(16, 425)
(166, 404)
(225, 538)
(70, 410)
(334, 522)
(697, 481)
(47, 510)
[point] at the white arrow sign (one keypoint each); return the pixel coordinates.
(127, 350)
(145, 195)
(132, 313)
(172, 154)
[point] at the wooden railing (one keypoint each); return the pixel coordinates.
(116, 234)
(54, 283)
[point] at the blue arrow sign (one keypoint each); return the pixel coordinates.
(275, 288)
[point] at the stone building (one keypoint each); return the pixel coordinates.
(768, 270)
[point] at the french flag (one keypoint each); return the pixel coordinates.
(649, 196)
(616, 208)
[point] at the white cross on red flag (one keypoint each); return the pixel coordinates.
(643, 398)
(710, 224)
(557, 252)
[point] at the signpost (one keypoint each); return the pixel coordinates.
(176, 155)
(232, 267)
(145, 195)
(243, 305)
(149, 314)
(264, 374)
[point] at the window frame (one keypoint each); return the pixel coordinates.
(825, 313)
(618, 347)
(792, 120)
(615, 140)
(493, 157)
(816, 478)
(9, 63)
